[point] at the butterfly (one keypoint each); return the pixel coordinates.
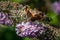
(34, 14)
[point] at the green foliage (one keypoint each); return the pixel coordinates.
(27, 38)
(15, 0)
(58, 38)
(19, 1)
(55, 20)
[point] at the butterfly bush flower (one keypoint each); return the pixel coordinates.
(34, 30)
(4, 19)
(29, 29)
(56, 7)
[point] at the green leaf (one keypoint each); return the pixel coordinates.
(27, 38)
(54, 17)
(21, 1)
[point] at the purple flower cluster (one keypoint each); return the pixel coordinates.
(29, 29)
(4, 19)
(56, 7)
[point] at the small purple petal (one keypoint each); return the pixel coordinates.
(8, 22)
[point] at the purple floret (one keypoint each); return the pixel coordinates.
(56, 7)
(8, 22)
